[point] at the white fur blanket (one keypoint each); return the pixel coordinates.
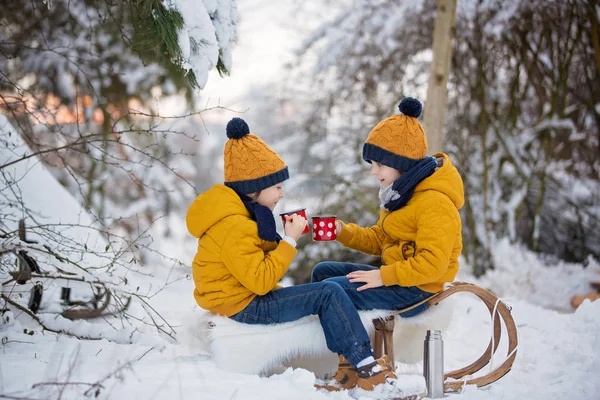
(267, 349)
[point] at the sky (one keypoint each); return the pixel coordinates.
(265, 43)
(130, 358)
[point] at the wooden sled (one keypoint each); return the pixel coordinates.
(96, 308)
(384, 330)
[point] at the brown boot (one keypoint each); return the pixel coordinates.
(345, 378)
(376, 373)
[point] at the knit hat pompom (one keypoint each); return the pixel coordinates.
(411, 107)
(398, 141)
(250, 165)
(237, 128)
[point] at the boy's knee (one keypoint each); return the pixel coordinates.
(331, 288)
(317, 272)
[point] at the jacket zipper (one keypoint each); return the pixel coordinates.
(382, 222)
(383, 229)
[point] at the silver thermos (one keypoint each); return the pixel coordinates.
(433, 364)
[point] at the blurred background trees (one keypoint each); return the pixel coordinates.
(94, 79)
(521, 125)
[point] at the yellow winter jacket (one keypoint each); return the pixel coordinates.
(419, 243)
(232, 264)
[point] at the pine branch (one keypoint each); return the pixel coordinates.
(156, 35)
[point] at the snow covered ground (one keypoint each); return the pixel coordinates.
(557, 358)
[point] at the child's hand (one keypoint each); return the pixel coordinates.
(371, 278)
(294, 225)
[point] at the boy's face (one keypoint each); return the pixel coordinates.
(385, 174)
(270, 196)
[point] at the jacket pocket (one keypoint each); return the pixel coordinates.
(398, 252)
(409, 249)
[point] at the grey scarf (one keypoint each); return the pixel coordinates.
(397, 194)
(386, 195)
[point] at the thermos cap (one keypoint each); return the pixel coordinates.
(433, 334)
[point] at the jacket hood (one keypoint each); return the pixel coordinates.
(446, 180)
(211, 207)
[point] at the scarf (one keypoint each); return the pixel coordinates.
(264, 219)
(397, 194)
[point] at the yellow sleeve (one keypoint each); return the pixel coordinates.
(438, 224)
(367, 240)
(257, 270)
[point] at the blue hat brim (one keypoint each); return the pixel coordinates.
(258, 184)
(375, 153)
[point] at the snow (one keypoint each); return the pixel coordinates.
(556, 358)
(30, 181)
(209, 31)
(521, 275)
(557, 355)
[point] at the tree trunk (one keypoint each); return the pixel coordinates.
(435, 107)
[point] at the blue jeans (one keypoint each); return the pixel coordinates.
(381, 298)
(344, 331)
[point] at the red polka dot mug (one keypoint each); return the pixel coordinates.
(324, 228)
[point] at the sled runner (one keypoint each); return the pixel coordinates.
(95, 308)
(384, 329)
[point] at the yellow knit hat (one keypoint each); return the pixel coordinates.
(398, 141)
(250, 164)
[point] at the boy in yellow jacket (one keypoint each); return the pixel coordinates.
(418, 234)
(240, 258)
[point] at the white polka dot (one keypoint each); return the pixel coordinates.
(320, 233)
(330, 225)
(314, 235)
(321, 224)
(328, 234)
(314, 226)
(335, 231)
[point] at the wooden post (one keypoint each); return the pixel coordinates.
(388, 339)
(384, 337)
(378, 340)
(435, 105)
